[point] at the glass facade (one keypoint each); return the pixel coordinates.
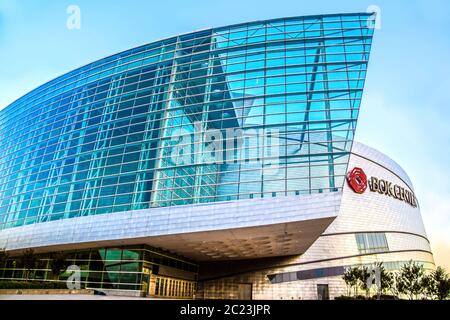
(101, 139)
(371, 242)
(121, 268)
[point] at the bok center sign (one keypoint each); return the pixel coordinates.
(358, 181)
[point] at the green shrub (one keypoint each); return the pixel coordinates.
(386, 297)
(32, 285)
(359, 297)
(344, 298)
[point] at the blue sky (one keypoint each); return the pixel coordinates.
(405, 110)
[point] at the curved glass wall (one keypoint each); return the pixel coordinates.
(109, 137)
(122, 268)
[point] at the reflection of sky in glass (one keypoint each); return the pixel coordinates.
(70, 143)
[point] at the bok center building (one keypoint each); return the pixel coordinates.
(214, 164)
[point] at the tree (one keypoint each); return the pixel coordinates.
(58, 263)
(357, 277)
(28, 261)
(428, 285)
(409, 280)
(351, 278)
(363, 275)
(441, 283)
(386, 280)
